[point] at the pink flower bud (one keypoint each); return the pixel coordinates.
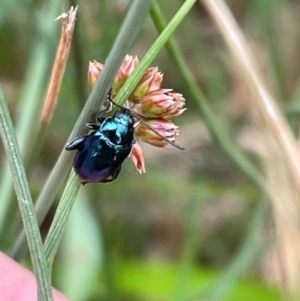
(95, 69)
(151, 81)
(128, 65)
(162, 104)
(137, 157)
(165, 128)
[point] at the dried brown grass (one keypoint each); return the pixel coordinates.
(279, 156)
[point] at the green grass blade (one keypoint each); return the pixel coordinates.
(61, 215)
(25, 201)
(81, 236)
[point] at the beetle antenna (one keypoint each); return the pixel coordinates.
(111, 99)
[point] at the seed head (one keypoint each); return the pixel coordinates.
(157, 105)
(151, 81)
(137, 157)
(165, 128)
(95, 70)
(162, 103)
(128, 65)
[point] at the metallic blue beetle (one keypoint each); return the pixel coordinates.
(101, 153)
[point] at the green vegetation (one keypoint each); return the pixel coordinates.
(204, 224)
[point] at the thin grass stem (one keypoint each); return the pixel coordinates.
(62, 213)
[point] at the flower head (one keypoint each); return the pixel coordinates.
(165, 128)
(162, 104)
(137, 157)
(155, 105)
(151, 81)
(127, 66)
(95, 70)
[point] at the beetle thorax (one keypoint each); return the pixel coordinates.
(119, 130)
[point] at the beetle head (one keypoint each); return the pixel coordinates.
(124, 116)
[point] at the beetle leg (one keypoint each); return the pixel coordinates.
(100, 118)
(113, 176)
(75, 144)
(92, 126)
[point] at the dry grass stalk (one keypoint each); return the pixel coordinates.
(283, 263)
(62, 54)
(279, 266)
(266, 105)
(281, 157)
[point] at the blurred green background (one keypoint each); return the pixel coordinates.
(191, 227)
